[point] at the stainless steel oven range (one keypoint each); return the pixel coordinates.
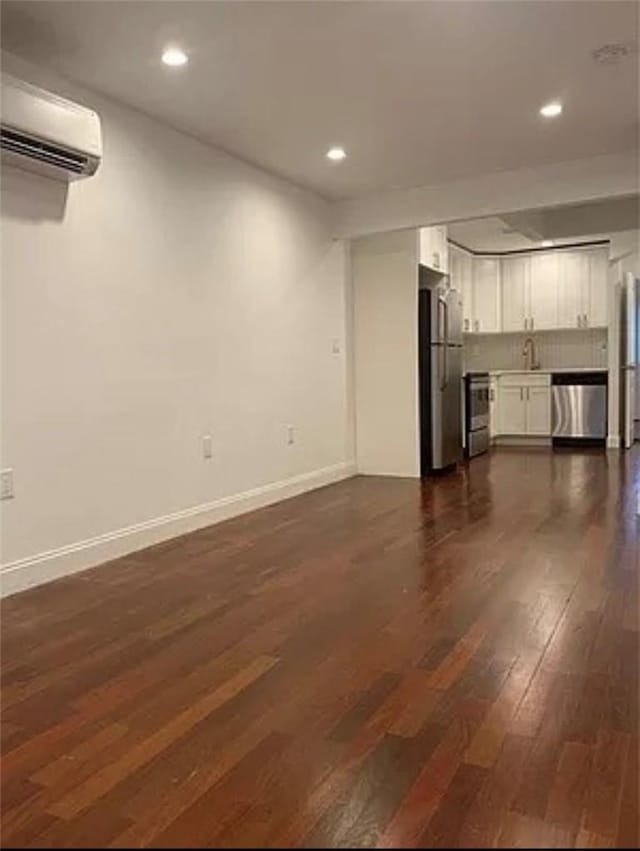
(476, 413)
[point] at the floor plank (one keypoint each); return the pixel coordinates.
(381, 662)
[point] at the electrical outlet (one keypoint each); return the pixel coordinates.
(207, 446)
(6, 484)
(291, 435)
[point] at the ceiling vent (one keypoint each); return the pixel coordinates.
(612, 54)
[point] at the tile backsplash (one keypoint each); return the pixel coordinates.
(553, 349)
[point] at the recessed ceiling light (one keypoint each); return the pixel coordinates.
(547, 243)
(336, 154)
(551, 110)
(174, 56)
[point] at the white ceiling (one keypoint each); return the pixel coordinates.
(417, 92)
(489, 234)
(495, 234)
(566, 225)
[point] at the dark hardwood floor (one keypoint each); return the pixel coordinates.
(380, 662)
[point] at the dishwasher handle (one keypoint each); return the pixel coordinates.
(578, 379)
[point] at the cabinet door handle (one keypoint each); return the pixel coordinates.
(525, 323)
(521, 399)
(466, 324)
(528, 394)
(531, 320)
(586, 321)
(579, 321)
(477, 324)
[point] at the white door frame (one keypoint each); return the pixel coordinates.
(629, 357)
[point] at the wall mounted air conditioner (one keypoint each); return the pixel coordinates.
(42, 132)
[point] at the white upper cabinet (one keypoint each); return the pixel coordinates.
(529, 292)
(455, 267)
(572, 286)
(582, 291)
(442, 247)
(543, 291)
(486, 294)
(434, 248)
(596, 311)
(460, 275)
(466, 265)
(515, 293)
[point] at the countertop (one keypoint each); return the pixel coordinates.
(547, 370)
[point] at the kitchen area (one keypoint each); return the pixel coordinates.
(535, 333)
(516, 319)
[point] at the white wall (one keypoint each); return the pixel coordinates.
(179, 292)
(385, 282)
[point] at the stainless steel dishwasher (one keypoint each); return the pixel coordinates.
(578, 407)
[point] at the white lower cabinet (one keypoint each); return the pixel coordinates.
(538, 411)
(512, 411)
(523, 403)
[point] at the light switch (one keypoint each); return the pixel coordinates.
(6, 484)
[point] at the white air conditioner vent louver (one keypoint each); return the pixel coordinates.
(18, 143)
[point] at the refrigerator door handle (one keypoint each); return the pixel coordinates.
(445, 306)
(446, 366)
(441, 305)
(444, 376)
(442, 368)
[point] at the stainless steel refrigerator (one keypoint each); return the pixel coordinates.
(440, 370)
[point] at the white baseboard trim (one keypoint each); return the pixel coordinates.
(44, 567)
